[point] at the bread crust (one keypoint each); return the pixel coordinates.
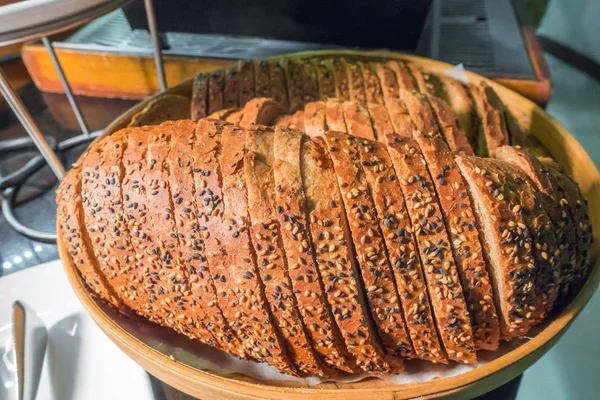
(398, 114)
(314, 118)
(216, 86)
(433, 242)
(404, 76)
(369, 244)
(342, 89)
(278, 84)
(336, 261)
(266, 238)
(199, 104)
(247, 85)
(294, 76)
(358, 120)
(464, 237)
(356, 83)
(297, 121)
(223, 114)
(463, 106)
(334, 115)
(373, 91)
(261, 111)
(306, 279)
(511, 265)
(231, 88)
(261, 79)
(284, 121)
(493, 122)
(75, 237)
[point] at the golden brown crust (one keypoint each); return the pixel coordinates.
(326, 79)
(493, 122)
(75, 238)
(342, 90)
(334, 115)
(261, 79)
(278, 84)
(510, 262)
(297, 121)
(404, 76)
(443, 281)
(463, 106)
(284, 121)
(380, 117)
(373, 91)
(261, 111)
(231, 88)
(314, 118)
(294, 74)
(369, 244)
(335, 259)
(215, 92)
(356, 83)
(357, 120)
(402, 251)
(199, 104)
(464, 237)
(271, 260)
(247, 86)
(297, 242)
(223, 114)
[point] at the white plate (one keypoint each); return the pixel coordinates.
(81, 362)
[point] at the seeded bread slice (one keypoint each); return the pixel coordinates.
(266, 237)
(358, 120)
(398, 114)
(404, 76)
(334, 115)
(503, 228)
(261, 111)
(441, 273)
(572, 197)
(463, 106)
(369, 244)
(202, 298)
(336, 260)
(356, 83)
(307, 281)
(261, 79)
(240, 273)
(543, 241)
(314, 118)
(402, 251)
(199, 104)
(310, 84)
(460, 223)
(373, 91)
(278, 84)
(247, 84)
(294, 76)
(75, 238)
(380, 118)
(550, 196)
(342, 89)
(464, 236)
(215, 92)
(165, 260)
(493, 132)
(297, 121)
(326, 79)
(231, 88)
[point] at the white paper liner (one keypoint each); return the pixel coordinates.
(458, 73)
(206, 358)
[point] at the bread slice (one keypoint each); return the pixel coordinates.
(284, 121)
(294, 74)
(314, 118)
(261, 111)
(404, 76)
(398, 114)
(358, 120)
(247, 85)
(401, 247)
(216, 84)
(202, 298)
(235, 117)
(326, 79)
(199, 104)
(493, 132)
(167, 107)
(463, 106)
(165, 259)
(433, 242)
(297, 121)
(261, 79)
(380, 118)
(310, 85)
(356, 83)
(231, 88)
(510, 261)
(278, 84)
(373, 91)
(572, 197)
(224, 113)
(369, 244)
(335, 259)
(342, 88)
(334, 115)
(463, 231)
(70, 221)
(307, 281)
(564, 229)
(266, 238)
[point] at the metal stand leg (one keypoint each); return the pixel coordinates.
(25, 118)
(156, 43)
(68, 92)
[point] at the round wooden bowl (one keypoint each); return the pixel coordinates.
(206, 384)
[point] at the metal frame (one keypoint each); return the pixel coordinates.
(8, 184)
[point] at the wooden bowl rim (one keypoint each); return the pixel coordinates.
(494, 373)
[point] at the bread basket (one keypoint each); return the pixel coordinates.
(128, 334)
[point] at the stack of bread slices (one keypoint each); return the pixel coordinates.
(330, 216)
